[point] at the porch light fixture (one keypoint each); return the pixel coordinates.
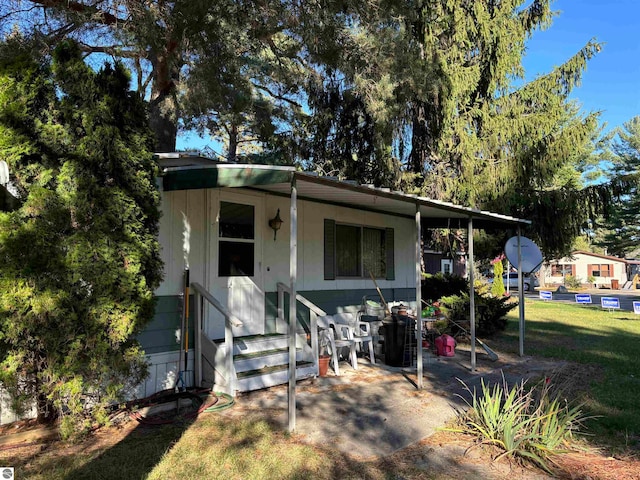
(275, 223)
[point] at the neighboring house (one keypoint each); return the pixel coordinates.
(605, 271)
(440, 262)
(344, 230)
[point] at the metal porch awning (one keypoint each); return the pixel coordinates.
(330, 190)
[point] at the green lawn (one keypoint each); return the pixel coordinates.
(606, 345)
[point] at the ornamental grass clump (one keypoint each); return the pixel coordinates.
(530, 424)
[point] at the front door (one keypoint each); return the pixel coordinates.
(236, 263)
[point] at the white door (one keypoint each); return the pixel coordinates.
(236, 263)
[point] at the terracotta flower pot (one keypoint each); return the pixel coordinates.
(323, 365)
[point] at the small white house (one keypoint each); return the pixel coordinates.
(229, 233)
(605, 271)
(241, 225)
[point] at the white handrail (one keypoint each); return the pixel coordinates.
(235, 322)
(315, 312)
(230, 320)
(307, 303)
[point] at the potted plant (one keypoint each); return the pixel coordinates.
(324, 357)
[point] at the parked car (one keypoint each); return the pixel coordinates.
(530, 281)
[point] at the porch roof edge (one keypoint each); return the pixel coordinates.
(486, 218)
(275, 179)
(224, 175)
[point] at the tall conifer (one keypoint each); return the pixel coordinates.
(620, 231)
(79, 259)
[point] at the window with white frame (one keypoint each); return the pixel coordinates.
(446, 266)
(236, 240)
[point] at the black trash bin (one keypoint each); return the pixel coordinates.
(395, 332)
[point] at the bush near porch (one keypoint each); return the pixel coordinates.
(451, 292)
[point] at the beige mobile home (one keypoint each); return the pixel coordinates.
(605, 271)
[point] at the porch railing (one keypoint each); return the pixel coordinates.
(230, 320)
(314, 312)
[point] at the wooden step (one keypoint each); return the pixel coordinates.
(260, 343)
(272, 375)
(258, 360)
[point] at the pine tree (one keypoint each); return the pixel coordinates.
(79, 259)
(446, 80)
(620, 232)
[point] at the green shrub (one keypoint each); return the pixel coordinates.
(497, 287)
(572, 282)
(490, 313)
(528, 424)
(440, 285)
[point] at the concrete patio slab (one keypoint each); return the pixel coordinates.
(377, 410)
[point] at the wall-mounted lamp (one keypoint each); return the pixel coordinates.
(275, 223)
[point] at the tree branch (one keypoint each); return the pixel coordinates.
(111, 50)
(16, 12)
(103, 17)
(275, 95)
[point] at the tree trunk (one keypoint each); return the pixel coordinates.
(163, 109)
(419, 139)
(164, 127)
(232, 154)
(46, 411)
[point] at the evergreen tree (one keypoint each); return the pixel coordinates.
(497, 287)
(620, 230)
(79, 259)
(445, 88)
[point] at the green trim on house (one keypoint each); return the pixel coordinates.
(196, 178)
(162, 333)
(332, 300)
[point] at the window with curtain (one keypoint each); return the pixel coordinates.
(348, 251)
(373, 252)
(354, 251)
(600, 270)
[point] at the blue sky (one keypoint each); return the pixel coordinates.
(611, 83)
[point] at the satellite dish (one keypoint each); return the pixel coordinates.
(529, 252)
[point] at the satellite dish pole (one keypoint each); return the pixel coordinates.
(520, 295)
(525, 255)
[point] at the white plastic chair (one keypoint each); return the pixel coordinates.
(337, 337)
(361, 331)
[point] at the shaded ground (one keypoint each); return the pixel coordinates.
(377, 407)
